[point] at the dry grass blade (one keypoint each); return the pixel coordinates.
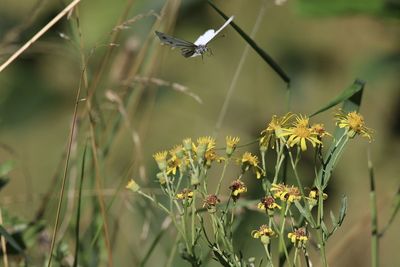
(126, 24)
(39, 34)
(175, 86)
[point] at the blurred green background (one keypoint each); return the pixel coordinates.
(322, 45)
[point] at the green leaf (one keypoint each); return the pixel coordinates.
(6, 167)
(333, 218)
(343, 210)
(264, 55)
(11, 240)
(352, 100)
(356, 87)
(306, 214)
(324, 229)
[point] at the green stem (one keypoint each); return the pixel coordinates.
(374, 216)
(222, 177)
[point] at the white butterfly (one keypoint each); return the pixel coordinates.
(188, 49)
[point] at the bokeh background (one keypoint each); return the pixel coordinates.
(323, 46)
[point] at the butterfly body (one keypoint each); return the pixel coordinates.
(188, 49)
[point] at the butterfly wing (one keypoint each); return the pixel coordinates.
(210, 34)
(187, 48)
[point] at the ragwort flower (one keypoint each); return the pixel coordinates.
(273, 129)
(268, 203)
(133, 186)
(185, 194)
(237, 187)
(231, 143)
(264, 232)
(298, 237)
(161, 159)
(354, 123)
(286, 193)
(249, 160)
(300, 133)
(211, 202)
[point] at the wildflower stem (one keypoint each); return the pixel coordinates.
(193, 219)
(282, 244)
(270, 262)
(294, 167)
(296, 251)
(374, 216)
(222, 177)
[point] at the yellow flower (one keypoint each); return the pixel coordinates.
(204, 144)
(132, 185)
(300, 133)
(161, 159)
(249, 160)
(185, 194)
(231, 143)
(298, 237)
(264, 233)
(268, 203)
(354, 123)
(286, 193)
(313, 197)
(237, 188)
(274, 128)
(173, 165)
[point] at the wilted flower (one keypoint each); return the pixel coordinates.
(210, 202)
(268, 203)
(237, 188)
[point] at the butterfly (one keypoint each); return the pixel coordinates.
(188, 49)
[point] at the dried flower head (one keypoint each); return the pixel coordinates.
(268, 203)
(354, 123)
(211, 202)
(237, 187)
(319, 129)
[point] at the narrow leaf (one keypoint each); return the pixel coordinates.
(333, 218)
(78, 212)
(264, 55)
(357, 86)
(343, 210)
(11, 240)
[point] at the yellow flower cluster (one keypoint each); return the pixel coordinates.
(185, 194)
(237, 187)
